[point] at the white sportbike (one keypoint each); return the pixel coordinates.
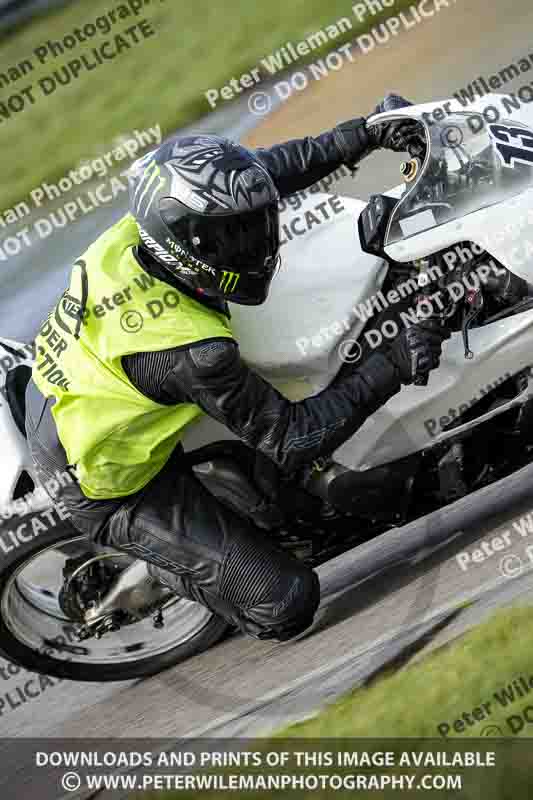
(449, 244)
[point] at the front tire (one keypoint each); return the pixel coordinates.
(36, 634)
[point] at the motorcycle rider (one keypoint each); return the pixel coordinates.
(113, 390)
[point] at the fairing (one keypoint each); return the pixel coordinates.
(316, 308)
(464, 171)
(499, 217)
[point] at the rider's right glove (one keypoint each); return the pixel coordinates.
(417, 350)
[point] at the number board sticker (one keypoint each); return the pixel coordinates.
(513, 143)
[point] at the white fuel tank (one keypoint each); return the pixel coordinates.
(314, 300)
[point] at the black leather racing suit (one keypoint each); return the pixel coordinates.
(209, 553)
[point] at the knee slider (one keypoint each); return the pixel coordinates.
(302, 609)
(302, 598)
(295, 612)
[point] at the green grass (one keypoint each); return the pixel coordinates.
(455, 679)
(198, 45)
(411, 703)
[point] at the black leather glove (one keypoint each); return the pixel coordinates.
(400, 136)
(417, 350)
(353, 140)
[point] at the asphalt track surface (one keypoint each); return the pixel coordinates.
(384, 595)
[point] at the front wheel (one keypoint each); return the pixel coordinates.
(36, 634)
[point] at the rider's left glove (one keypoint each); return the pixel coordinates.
(400, 135)
(355, 139)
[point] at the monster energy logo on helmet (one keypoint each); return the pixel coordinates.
(229, 281)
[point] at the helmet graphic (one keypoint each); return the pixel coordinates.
(207, 210)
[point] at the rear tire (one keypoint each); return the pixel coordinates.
(18, 652)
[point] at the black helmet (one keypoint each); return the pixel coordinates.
(207, 210)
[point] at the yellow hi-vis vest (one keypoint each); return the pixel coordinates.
(117, 438)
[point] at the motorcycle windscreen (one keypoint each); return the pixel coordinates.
(466, 168)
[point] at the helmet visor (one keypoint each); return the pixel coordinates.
(244, 242)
